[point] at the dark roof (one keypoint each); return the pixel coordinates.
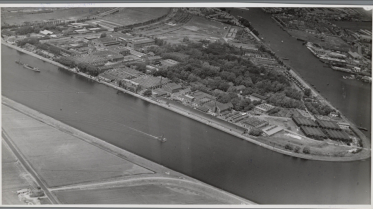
(155, 58)
(311, 131)
(203, 109)
(108, 67)
(301, 121)
(259, 96)
(106, 40)
(328, 124)
(334, 134)
(240, 87)
(223, 106)
(253, 121)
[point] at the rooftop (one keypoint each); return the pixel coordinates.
(150, 81)
(304, 121)
(328, 124)
(341, 135)
(312, 131)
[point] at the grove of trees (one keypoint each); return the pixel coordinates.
(220, 66)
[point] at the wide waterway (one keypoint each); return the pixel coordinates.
(351, 97)
(192, 148)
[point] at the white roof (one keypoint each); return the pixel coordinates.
(272, 130)
(46, 32)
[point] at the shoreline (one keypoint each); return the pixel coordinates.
(206, 120)
(318, 95)
(162, 174)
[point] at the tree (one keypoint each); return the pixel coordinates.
(307, 92)
(289, 147)
(306, 150)
(147, 93)
(103, 35)
(296, 149)
(186, 39)
(255, 132)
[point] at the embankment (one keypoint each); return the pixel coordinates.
(210, 122)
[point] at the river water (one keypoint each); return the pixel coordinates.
(192, 148)
(351, 97)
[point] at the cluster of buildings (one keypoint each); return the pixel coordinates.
(351, 62)
(262, 60)
(323, 129)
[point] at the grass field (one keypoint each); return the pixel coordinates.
(129, 16)
(198, 28)
(139, 194)
(12, 178)
(64, 13)
(60, 158)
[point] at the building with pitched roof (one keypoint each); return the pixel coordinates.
(103, 42)
(301, 121)
(325, 124)
(254, 122)
(151, 82)
(171, 88)
(140, 42)
(263, 108)
(313, 132)
(168, 63)
(270, 130)
(338, 135)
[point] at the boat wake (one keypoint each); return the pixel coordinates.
(159, 138)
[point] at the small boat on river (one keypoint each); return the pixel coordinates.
(28, 66)
(161, 138)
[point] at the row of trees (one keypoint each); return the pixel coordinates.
(318, 108)
(23, 30)
(83, 67)
(35, 41)
(246, 23)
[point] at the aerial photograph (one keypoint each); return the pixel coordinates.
(186, 105)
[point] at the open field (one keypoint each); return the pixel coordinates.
(137, 194)
(198, 28)
(60, 158)
(64, 13)
(330, 42)
(170, 187)
(128, 16)
(14, 178)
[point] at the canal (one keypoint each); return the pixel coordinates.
(192, 148)
(351, 97)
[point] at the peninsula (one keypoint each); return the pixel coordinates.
(232, 82)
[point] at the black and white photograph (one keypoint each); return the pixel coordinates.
(185, 105)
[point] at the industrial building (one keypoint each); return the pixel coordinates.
(168, 63)
(119, 74)
(313, 132)
(270, 130)
(171, 88)
(325, 124)
(140, 42)
(103, 42)
(338, 135)
(300, 121)
(263, 108)
(253, 122)
(150, 82)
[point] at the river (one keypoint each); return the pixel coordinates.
(192, 148)
(351, 97)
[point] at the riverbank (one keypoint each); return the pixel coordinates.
(124, 170)
(214, 124)
(354, 128)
